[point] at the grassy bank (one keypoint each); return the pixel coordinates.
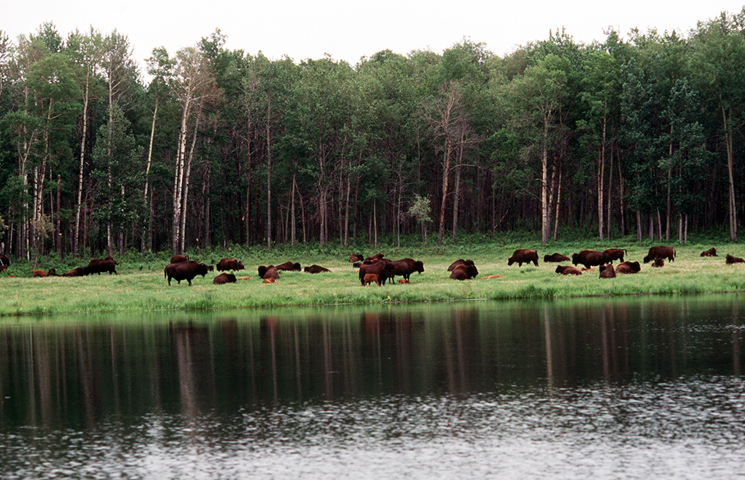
(140, 285)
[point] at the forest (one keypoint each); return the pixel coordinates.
(636, 136)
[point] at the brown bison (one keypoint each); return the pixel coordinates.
(406, 266)
(356, 257)
(712, 252)
(224, 278)
(96, 265)
(460, 261)
(464, 272)
(269, 272)
(377, 256)
(730, 260)
(356, 264)
(289, 267)
(567, 270)
(628, 267)
(38, 273)
(382, 268)
(269, 280)
(228, 264)
(184, 271)
(614, 254)
(75, 272)
(403, 281)
(590, 258)
(556, 257)
(316, 269)
(4, 261)
(179, 258)
(662, 252)
(371, 278)
(606, 271)
(523, 255)
(658, 262)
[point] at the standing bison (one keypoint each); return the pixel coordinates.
(523, 255)
(384, 269)
(96, 265)
(614, 254)
(229, 264)
(590, 258)
(406, 266)
(662, 252)
(184, 271)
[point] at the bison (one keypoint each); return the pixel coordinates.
(289, 267)
(590, 258)
(369, 260)
(568, 270)
(730, 260)
(384, 269)
(628, 267)
(606, 271)
(184, 271)
(464, 272)
(662, 252)
(556, 257)
(179, 258)
(658, 262)
(406, 266)
(615, 254)
(75, 272)
(38, 273)
(269, 272)
(96, 265)
(4, 261)
(712, 252)
(459, 262)
(229, 264)
(523, 255)
(371, 278)
(269, 280)
(316, 269)
(224, 278)
(356, 257)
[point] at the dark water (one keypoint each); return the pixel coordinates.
(645, 387)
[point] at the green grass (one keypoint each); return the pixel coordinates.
(140, 285)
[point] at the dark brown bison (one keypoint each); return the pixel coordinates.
(658, 262)
(406, 266)
(4, 261)
(382, 268)
(289, 267)
(615, 254)
(356, 264)
(712, 252)
(316, 269)
(567, 270)
(224, 278)
(75, 272)
(228, 264)
(556, 257)
(464, 272)
(523, 255)
(377, 256)
(459, 262)
(356, 257)
(269, 272)
(184, 271)
(263, 269)
(179, 258)
(370, 278)
(96, 265)
(628, 267)
(606, 271)
(52, 273)
(662, 252)
(590, 258)
(730, 260)
(38, 273)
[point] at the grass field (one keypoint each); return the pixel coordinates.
(141, 286)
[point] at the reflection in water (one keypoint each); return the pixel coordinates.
(458, 384)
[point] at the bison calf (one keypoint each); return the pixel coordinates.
(371, 278)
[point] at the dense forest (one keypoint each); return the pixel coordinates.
(637, 135)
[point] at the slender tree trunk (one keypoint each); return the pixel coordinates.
(148, 233)
(732, 206)
(269, 173)
(445, 177)
(558, 205)
(81, 170)
(456, 201)
(293, 220)
(178, 180)
(187, 177)
(545, 208)
(601, 179)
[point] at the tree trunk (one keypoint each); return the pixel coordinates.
(269, 173)
(601, 178)
(545, 208)
(81, 170)
(732, 211)
(456, 201)
(178, 180)
(187, 177)
(445, 177)
(148, 245)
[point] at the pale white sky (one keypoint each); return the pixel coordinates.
(348, 29)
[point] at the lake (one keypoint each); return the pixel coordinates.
(639, 387)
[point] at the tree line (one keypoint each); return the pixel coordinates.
(211, 146)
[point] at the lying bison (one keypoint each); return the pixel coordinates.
(628, 267)
(269, 272)
(184, 271)
(229, 264)
(460, 261)
(567, 270)
(712, 252)
(289, 267)
(75, 272)
(590, 258)
(179, 258)
(224, 278)
(316, 269)
(730, 260)
(614, 254)
(384, 269)
(556, 257)
(606, 271)
(523, 255)
(464, 272)
(406, 266)
(662, 252)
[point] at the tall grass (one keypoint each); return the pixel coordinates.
(141, 286)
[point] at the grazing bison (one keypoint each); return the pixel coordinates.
(369, 260)
(712, 252)
(371, 278)
(406, 266)
(384, 269)
(75, 272)
(730, 260)
(658, 262)
(464, 272)
(224, 278)
(590, 258)
(606, 271)
(356, 257)
(556, 257)
(316, 269)
(459, 262)
(628, 267)
(662, 252)
(615, 254)
(96, 265)
(568, 270)
(289, 267)
(184, 271)
(229, 264)
(179, 258)
(523, 255)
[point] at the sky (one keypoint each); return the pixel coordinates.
(348, 29)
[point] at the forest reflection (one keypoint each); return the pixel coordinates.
(74, 373)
